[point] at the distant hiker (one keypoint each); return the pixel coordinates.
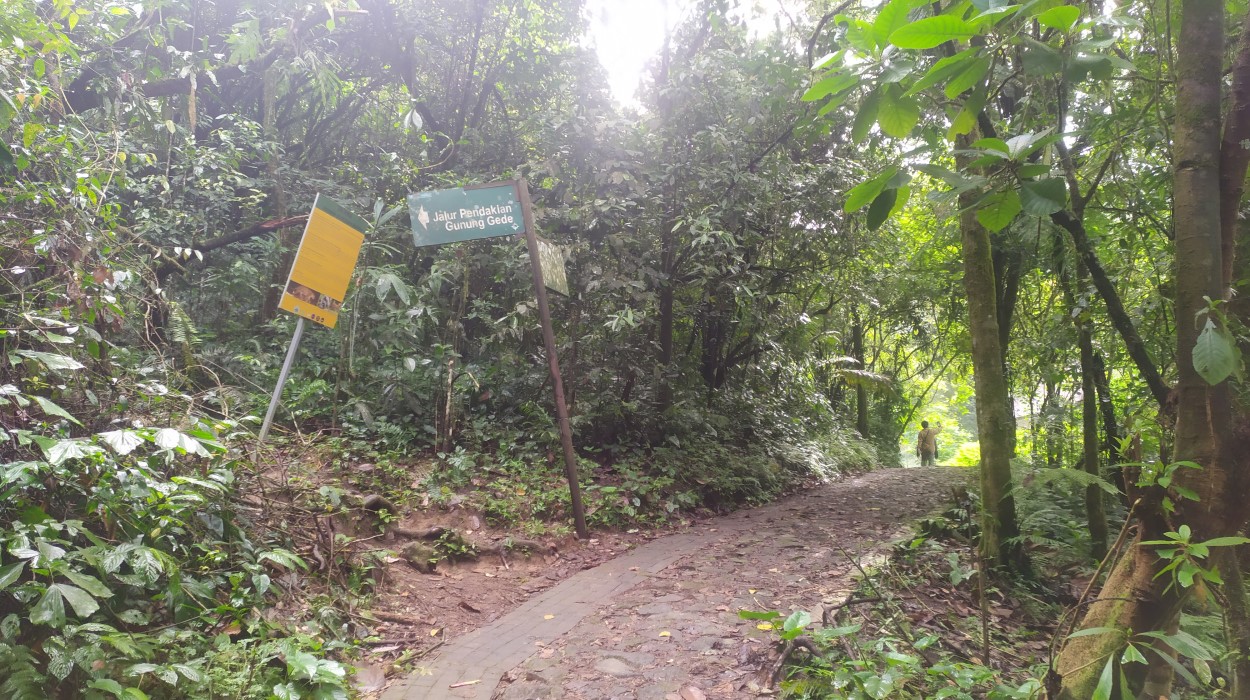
(926, 444)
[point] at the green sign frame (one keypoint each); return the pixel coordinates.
(467, 213)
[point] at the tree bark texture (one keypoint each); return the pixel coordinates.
(861, 391)
(1008, 270)
(994, 413)
(1133, 597)
(1110, 426)
(1234, 154)
(1095, 513)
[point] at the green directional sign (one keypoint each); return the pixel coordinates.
(466, 213)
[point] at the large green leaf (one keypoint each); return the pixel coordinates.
(900, 201)
(8, 109)
(61, 451)
(897, 70)
(943, 69)
(999, 209)
(994, 145)
(89, 583)
(50, 610)
(9, 574)
(1106, 680)
(931, 32)
(794, 625)
(1215, 355)
(1061, 18)
(123, 442)
(1040, 59)
(82, 602)
(50, 408)
(865, 192)
(891, 17)
(831, 84)
(50, 360)
(966, 119)
(1083, 65)
(967, 78)
(1043, 197)
(1022, 145)
(898, 114)
(881, 208)
(865, 116)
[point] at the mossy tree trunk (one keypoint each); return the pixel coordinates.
(995, 423)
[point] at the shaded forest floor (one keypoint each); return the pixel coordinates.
(845, 553)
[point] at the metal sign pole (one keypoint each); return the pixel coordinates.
(549, 339)
(282, 375)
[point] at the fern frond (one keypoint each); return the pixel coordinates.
(181, 328)
(1064, 476)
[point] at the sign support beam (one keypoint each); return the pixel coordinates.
(282, 375)
(553, 364)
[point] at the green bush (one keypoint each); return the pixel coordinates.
(126, 571)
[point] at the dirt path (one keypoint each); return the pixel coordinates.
(662, 621)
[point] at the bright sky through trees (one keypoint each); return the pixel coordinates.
(627, 34)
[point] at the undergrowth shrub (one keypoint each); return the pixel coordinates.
(126, 569)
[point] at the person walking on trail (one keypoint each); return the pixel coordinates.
(926, 444)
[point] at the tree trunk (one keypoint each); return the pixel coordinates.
(1095, 513)
(994, 419)
(1119, 316)
(1054, 438)
(1133, 597)
(668, 245)
(1110, 426)
(1236, 618)
(1008, 269)
(861, 390)
(664, 390)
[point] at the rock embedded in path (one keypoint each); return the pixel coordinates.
(419, 555)
(615, 667)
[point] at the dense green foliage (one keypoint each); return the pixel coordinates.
(764, 258)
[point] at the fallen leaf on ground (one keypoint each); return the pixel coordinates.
(692, 693)
(369, 678)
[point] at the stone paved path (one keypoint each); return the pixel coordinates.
(663, 619)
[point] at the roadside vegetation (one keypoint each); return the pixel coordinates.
(801, 241)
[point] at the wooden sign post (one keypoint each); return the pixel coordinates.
(488, 211)
(557, 382)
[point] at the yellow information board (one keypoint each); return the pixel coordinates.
(324, 263)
